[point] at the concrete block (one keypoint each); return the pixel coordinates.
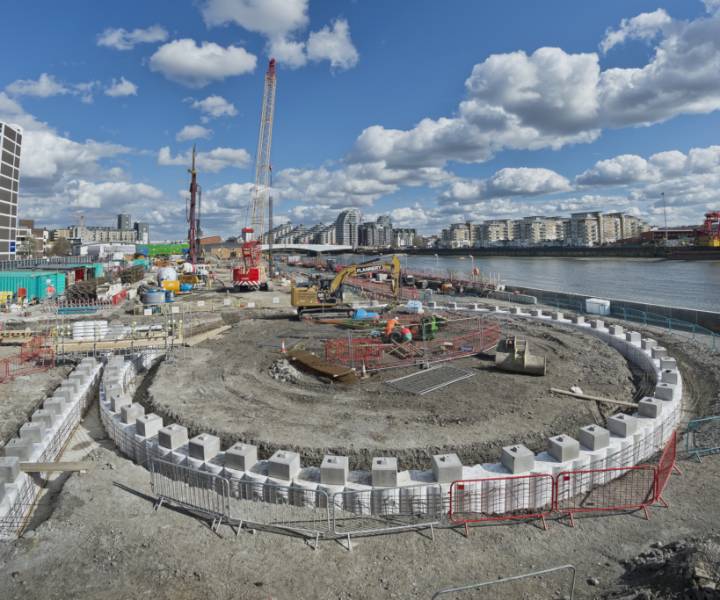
(3, 492)
(22, 449)
(173, 436)
(384, 471)
(668, 362)
(517, 458)
(446, 468)
(148, 425)
(659, 352)
(634, 337)
(204, 447)
(55, 405)
(241, 457)
(597, 324)
(514, 310)
(650, 407)
(670, 376)
(563, 448)
(73, 386)
(117, 401)
(578, 320)
(32, 432)
(130, 413)
(44, 417)
(649, 344)
(557, 316)
(617, 330)
(9, 469)
(67, 395)
(594, 437)
(665, 391)
(622, 425)
(334, 470)
(536, 312)
(284, 465)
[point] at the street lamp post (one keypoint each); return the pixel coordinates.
(436, 261)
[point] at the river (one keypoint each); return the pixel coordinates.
(687, 284)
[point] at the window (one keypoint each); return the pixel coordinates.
(5, 195)
(6, 170)
(8, 158)
(9, 132)
(8, 145)
(6, 183)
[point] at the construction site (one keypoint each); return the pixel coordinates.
(251, 428)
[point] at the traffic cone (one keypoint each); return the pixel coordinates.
(282, 347)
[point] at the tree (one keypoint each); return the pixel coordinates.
(60, 247)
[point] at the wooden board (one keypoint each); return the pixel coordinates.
(315, 363)
(55, 467)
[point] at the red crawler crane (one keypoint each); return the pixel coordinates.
(252, 273)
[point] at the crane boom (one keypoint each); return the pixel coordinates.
(192, 217)
(263, 167)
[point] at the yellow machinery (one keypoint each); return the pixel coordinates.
(330, 296)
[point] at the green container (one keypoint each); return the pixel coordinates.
(166, 249)
(35, 282)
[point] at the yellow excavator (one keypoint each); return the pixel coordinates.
(328, 294)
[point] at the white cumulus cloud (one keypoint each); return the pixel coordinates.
(333, 44)
(644, 26)
(213, 161)
(193, 132)
(122, 39)
(184, 62)
(42, 87)
(215, 107)
(121, 87)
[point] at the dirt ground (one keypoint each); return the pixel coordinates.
(239, 400)
(99, 537)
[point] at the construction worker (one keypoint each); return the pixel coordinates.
(390, 326)
(406, 334)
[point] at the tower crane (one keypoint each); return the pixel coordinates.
(193, 216)
(252, 273)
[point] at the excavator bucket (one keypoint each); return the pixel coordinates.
(513, 355)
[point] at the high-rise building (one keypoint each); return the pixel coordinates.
(346, 227)
(124, 221)
(10, 142)
(142, 233)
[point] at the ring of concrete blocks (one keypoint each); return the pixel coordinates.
(627, 441)
(42, 440)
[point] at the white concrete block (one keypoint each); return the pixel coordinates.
(241, 457)
(665, 391)
(670, 376)
(617, 331)
(648, 344)
(594, 437)
(204, 447)
(659, 352)
(622, 425)
(563, 448)
(148, 425)
(334, 470)
(634, 338)
(597, 324)
(384, 471)
(9, 469)
(650, 407)
(668, 362)
(446, 468)
(173, 436)
(131, 412)
(517, 459)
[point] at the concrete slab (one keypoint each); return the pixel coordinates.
(9, 469)
(148, 425)
(517, 458)
(130, 413)
(563, 448)
(594, 437)
(384, 471)
(284, 465)
(172, 436)
(622, 425)
(334, 470)
(241, 457)
(204, 447)
(446, 468)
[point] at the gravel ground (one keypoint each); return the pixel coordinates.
(243, 400)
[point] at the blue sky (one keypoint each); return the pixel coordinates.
(434, 112)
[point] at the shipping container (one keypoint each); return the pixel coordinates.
(39, 284)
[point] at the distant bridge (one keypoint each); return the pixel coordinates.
(317, 248)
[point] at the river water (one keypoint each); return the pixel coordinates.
(688, 284)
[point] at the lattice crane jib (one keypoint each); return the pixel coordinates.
(261, 190)
(192, 214)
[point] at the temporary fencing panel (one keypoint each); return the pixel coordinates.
(501, 498)
(194, 490)
(665, 467)
(302, 510)
(702, 437)
(625, 489)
